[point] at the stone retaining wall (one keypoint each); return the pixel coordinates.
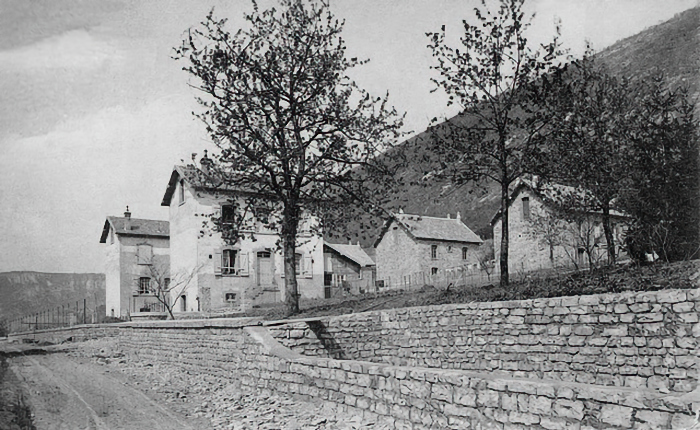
(398, 396)
(647, 340)
(76, 333)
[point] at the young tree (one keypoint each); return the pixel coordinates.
(664, 196)
(291, 127)
(498, 81)
(166, 288)
(588, 141)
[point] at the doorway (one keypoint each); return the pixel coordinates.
(264, 268)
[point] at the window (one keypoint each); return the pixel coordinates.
(227, 214)
(230, 297)
(144, 285)
(228, 262)
(145, 254)
(433, 251)
(526, 208)
(449, 249)
(166, 283)
(465, 250)
(298, 261)
(181, 191)
(433, 270)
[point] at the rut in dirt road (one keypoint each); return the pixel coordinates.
(67, 395)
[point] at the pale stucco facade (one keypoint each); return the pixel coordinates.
(124, 269)
(259, 275)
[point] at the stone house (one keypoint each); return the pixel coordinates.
(231, 277)
(540, 239)
(411, 247)
(347, 269)
(132, 246)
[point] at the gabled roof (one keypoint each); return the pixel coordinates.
(551, 193)
(193, 177)
(352, 252)
(135, 227)
(201, 181)
(432, 228)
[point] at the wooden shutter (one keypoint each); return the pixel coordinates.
(243, 258)
(306, 267)
(217, 263)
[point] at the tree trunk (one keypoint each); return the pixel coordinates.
(609, 238)
(504, 234)
(290, 224)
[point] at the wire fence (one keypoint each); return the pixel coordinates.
(83, 311)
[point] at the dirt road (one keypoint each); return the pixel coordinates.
(63, 393)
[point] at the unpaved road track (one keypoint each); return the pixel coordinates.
(65, 394)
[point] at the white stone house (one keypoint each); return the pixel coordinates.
(540, 239)
(231, 277)
(409, 247)
(132, 246)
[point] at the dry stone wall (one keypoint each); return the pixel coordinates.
(398, 396)
(635, 340)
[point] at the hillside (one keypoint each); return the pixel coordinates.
(28, 292)
(672, 47)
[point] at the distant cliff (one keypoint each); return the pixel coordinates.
(23, 293)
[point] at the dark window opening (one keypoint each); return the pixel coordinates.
(465, 250)
(433, 251)
(230, 297)
(228, 262)
(228, 214)
(144, 285)
(526, 208)
(433, 270)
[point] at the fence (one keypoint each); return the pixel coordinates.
(468, 277)
(65, 315)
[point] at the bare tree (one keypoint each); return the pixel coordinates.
(485, 256)
(290, 126)
(166, 288)
(499, 81)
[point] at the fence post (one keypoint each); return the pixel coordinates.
(84, 305)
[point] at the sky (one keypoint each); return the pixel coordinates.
(94, 112)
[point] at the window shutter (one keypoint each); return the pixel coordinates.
(217, 263)
(243, 258)
(306, 269)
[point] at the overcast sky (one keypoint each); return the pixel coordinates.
(94, 113)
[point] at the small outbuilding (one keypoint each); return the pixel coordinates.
(348, 269)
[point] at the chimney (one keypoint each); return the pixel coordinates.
(127, 214)
(459, 216)
(205, 162)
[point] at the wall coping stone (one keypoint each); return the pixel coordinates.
(195, 324)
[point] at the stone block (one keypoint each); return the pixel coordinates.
(616, 415)
(671, 296)
(540, 405)
(568, 409)
(523, 418)
(487, 398)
